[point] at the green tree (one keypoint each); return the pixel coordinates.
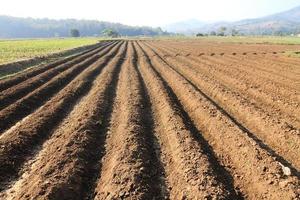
(74, 33)
(213, 33)
(234, 32)
(199, 34)
(110, 33)
(222, 31)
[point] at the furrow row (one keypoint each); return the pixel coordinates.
(245, 67)
(128, 167)
(65, 166)
(277, 133)
(11, 81)
(18, 91)
(19, 143)
(26, 105)
(255, 171)
(190, 169)
(257, 90)
(125, 120)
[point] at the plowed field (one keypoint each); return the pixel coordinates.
(154, 120)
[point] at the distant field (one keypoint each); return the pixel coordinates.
(245, 39)
(258, 40)
(13, 50)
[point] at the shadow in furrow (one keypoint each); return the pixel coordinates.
(19, 91)
(253, 136)
(9, 168)
(24, 75)
(158, 180)
(220, 172)
(97, 148)
(37, 98)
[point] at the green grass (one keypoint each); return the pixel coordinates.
(245, 39)
(13, 50)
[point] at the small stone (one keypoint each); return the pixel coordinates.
(286, 170)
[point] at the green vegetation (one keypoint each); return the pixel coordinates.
(110, 33)
(13, 50)
(200, 35)
(15, 27)
(222, 31)
(74, 33)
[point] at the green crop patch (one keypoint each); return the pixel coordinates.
(15, 50)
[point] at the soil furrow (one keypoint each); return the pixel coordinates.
(247, 67)
(68, 161)
(20, 141)
(269, 98)
(277, 91)
(276, 68)
(291, 62)
(288, 70)
(23, 107)
(262, 68)
(206, 48)
(278, 134)
(154, 119)
(24, 75)
(255, 171)
(127, 168)
(278, 61)
(190, 173)
(14, 93)
(244, 67)
(229, 58)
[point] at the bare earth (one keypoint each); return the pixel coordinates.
(154, 120)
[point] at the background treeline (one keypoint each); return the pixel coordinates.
(14, 27)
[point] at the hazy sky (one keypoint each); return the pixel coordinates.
(142, 12)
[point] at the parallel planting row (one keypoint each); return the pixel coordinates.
(141, 120)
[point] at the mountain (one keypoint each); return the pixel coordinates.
(184, 26)
(283, 23)
(15, 27)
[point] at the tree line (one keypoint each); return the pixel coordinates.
(224, 31)
(14, 27)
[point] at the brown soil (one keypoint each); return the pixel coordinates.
(154, 120)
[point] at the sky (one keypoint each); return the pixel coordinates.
(142, 12)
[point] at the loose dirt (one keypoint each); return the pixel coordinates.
(154, 120)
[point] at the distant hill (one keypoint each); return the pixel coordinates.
(15, 27)
(283, 23)
(184, 26)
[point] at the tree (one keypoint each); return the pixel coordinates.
(199, 34)
(74, 33)
(222, 31)
(213, 33)
(234, 32)
(110, 33)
